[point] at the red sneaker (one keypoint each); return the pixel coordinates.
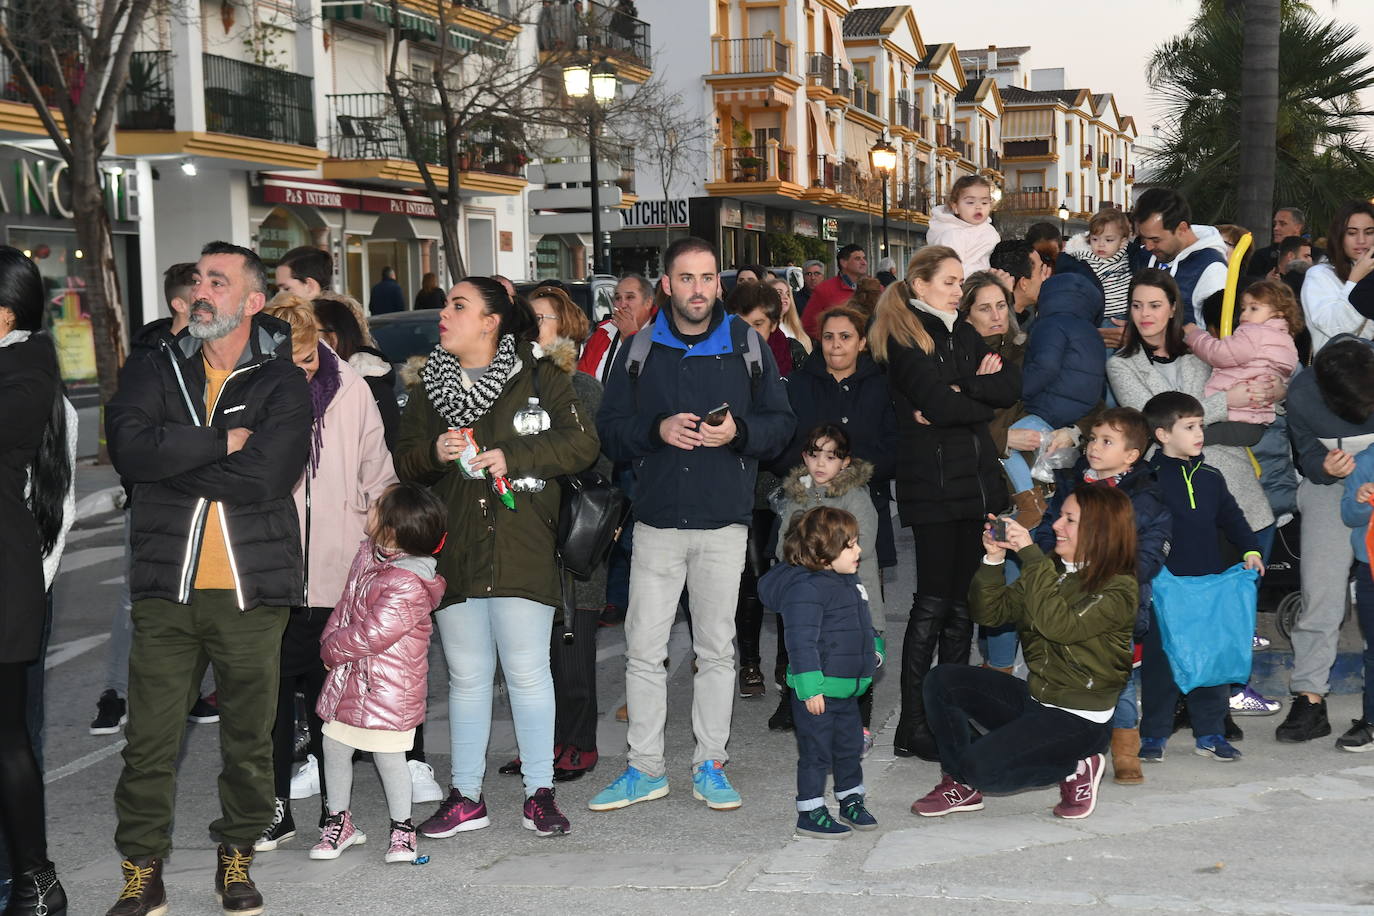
(1078, 793)
(949, 796)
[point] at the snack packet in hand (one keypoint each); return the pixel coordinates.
(469, 451)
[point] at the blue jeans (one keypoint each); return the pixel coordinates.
(1015, 465)
(1277, 475)
(1127, 706)
(473, 634)
(1364, 610)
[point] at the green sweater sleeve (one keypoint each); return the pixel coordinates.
(992, 602)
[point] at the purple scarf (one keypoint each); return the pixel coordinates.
(323, 387)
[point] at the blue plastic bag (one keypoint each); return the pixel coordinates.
(1207, 624)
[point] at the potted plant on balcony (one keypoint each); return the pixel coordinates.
(746, 158)
(144, 89)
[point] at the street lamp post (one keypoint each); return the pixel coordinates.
(883, 157)
(597, 85)
(1063, 219)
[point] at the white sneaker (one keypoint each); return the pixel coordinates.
(423, 787)
(306, 781)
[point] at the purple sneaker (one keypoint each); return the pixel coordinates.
(456, 814)
(1249, 702)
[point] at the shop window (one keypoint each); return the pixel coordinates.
(281, 231)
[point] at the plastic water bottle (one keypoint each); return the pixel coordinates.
(530, 420)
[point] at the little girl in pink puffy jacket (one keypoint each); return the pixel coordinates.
(376, 645)
(1262, 344)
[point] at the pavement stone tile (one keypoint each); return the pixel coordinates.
(1153, 902)
(575, 870)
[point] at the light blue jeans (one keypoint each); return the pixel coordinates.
(1015, 465)
(1127, 704)
(473, 634)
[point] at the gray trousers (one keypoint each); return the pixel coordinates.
(709, 562)
(1326, 559)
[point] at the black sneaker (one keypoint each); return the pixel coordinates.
(1306, 720)
(111, 712)
(1360, 738)
(750, 681)
(205, 712)
(282, 828)
(1231, 730)
(781, 719)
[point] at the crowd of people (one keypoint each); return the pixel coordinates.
(1061, 423)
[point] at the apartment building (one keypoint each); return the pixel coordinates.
(796, 94)
(1067, 148)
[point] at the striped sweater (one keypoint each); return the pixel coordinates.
(1113, 273)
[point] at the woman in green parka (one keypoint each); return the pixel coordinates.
(498, 561)
(1074, 614)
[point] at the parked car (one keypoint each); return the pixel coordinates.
(595, 297)
(793, 276)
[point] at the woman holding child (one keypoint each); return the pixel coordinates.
(946, 386)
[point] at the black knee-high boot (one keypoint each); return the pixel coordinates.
(923, 630)
(956, 635)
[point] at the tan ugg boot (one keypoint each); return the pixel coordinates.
(1030, 507)
(1126, 757)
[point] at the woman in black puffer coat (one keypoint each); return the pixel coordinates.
(946, 385)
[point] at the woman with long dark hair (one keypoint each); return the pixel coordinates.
(1329, 289)
(946, 386)
(482, 386)
(341, 323)
(1074, 612)
(33, 453)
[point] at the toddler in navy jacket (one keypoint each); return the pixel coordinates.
(1201, 505)
(832, 652)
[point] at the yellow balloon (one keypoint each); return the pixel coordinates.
(1228, 300)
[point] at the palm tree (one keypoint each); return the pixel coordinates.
(1322, 158)
(1259, 113)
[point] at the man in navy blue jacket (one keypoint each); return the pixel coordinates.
(695, 465)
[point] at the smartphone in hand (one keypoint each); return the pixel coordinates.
(717, 416)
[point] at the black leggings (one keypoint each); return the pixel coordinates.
(21, 783)
(947, 556)
(301, 669)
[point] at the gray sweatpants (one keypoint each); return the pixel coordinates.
(1326, 559)
(709, 562)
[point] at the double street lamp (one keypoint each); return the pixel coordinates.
(882, 156)
(597, 85)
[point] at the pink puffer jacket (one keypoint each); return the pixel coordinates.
(376, 643)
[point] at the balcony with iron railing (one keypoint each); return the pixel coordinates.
(1030, 200)
(913, 197)
(1086, 204)
(843, 80)
(820, 70)
(902, 114)
(960, 145)
(1130, 173)
(48, 77)
(1088, 155)
(250, 100)
(766, 162)
(597, 28)
(992, 159)
(835, 174)
(367, 125)
(750, 55)
(863, 99)
(146, 102)
(1116, 167)
(1103, 162)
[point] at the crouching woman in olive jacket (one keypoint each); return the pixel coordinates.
(1074, 615)
(498, 562)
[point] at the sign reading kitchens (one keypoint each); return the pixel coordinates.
(656, 214)
(339, 198)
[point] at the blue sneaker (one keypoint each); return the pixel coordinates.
(710, 785)
(817, 824)
(629, 788)
(853, 813)
(1152, 749)
(1217, 748)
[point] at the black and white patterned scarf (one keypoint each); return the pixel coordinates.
(457, 401)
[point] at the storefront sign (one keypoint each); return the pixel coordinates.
(805, 224)
(656, 214)
(779, 221)
(830, 228)
(338, 197)
(755, 218)
(41, 187)
(731, 215)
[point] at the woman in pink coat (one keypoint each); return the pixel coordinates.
(349, 467)
(1261, 345)
(376, 646)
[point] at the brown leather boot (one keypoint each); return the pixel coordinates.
(1126, 757)
(143, 893)
(1030, 507)
(237, 893)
